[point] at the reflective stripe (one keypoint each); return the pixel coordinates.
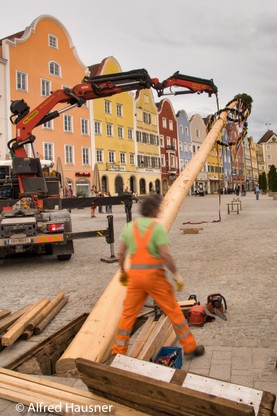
(122, 342)
(184, 335)
(180, 326)
(123, 332)
(146, 266)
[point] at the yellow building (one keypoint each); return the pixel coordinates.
(42, 59)
(215, 168)
(114, 138)
(148, 176)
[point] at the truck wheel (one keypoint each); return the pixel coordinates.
(63, 257)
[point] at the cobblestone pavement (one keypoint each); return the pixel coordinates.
(236, 257)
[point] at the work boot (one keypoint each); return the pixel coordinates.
(199, 350)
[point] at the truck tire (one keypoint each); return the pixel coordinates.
(63, 257)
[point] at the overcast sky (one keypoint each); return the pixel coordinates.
(232, 42)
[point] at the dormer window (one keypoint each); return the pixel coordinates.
(53, 41)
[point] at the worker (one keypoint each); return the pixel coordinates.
(145, 239)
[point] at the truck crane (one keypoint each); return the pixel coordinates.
(26, 222)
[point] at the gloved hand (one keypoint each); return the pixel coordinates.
(123, 279)
(179, 281)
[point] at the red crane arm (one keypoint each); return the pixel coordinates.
(92, 87)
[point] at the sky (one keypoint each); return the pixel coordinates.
(234, 43)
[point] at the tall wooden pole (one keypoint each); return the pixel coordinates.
(95, 338)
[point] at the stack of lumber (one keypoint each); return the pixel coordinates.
(29, 320)
(39, 394)
(152, 337)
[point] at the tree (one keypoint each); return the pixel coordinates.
(263, 182)
(272, 178)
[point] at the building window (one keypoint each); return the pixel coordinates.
(69, 154)
(120, 132)
(97, 127)
(85, 156)
(45, 88)
(146, 118)
(130, 134)
(48, 151)
(186, 131)
(174, 144)
(164, 122)
(197, 133)
(54, 69)
(21, 81)
(139, 136)
(172, 161)
(108, 107)
(161, 140)
(48, 125)
(99, 156)
(111, 157)
(168, 144)
(109, 130)
(119, 110)
(132, 159)
(123, 158)
(163, 161)
(68, 123)
(170, 125)
(181, 129)
(84, 126)
(53, 41)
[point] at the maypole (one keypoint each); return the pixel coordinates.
(94, 340)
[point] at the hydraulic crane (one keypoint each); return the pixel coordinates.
(31, 224)
(28, 170)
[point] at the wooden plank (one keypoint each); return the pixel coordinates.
(9, 320)
(154, 340)
(167, 340)
(46, 311)
(156, 397)
(19, 326)
(4, 313)
(28, 390)
(142, 337)
(267, 404)
(48, 318)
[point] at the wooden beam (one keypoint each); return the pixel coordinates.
(154, 396)
(96, 337)
(9, 320)
(26, 389)
(4, 313)
(142, 337)
(155, 338)
(42, 315)
(50, 315)
(20, 325)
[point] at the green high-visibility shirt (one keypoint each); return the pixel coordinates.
(159, 236)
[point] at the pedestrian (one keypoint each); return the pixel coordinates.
(257, 191)
(93, 193)
(146, 241)
(100, 208)
(108, 207)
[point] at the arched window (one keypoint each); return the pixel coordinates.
(54, 69)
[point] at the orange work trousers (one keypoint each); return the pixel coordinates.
(153, 282)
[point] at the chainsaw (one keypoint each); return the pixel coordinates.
(216, 304)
